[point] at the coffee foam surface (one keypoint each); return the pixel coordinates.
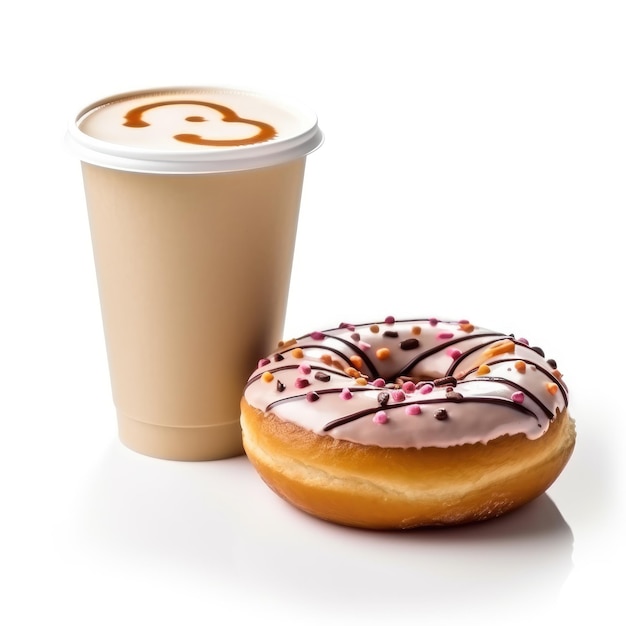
(222, 127)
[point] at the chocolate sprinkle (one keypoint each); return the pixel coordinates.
(279, 357)
(312, 396)
(323, 376)
(441, 414)
(280, 386)
(455, 396)
(448, 380)
(551, 363)
(355, 337)
(539, 351)
(390, 333)
(409, 344)
(383, 398)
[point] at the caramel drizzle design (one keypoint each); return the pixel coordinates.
(134, 119)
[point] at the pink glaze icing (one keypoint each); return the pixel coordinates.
(410, 383)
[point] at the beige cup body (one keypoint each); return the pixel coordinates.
(193, 274)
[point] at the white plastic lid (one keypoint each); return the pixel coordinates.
(192, 130)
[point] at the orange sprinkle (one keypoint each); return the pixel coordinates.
(502, 347)
(468, 328)
(374, 328)
(357, 361)
(416, 330)
(520, 366)
(350, 371)
(267, 377)
(383, 353)
(297, 353)
(336, 363)
(286, 344)
(552, 388)
(483, 370)
(557, 374)
(326, 359)
(361, 381)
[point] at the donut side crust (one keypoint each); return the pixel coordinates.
(397, 488)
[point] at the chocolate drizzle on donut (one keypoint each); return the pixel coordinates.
(454, 378)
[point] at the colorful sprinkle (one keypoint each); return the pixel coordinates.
(357, 361)
(263, 362)
(286, 344)
(301, 383)
(297, 353)
(355, 336)
(441, 414)
(518, 397)
(408, 386)
(383, 398)
(374, 328)
(433, 321)
(383, 353)
(327, 359)
(552, 388)
(524, 341)
(445, 335)
(552, 363)
(426, 388)
(353, 372)
(280, 387)
(312, 396)
(380, 418)
(361, 381)
(348, 326)
(520, 366)
(397, 395)
(453, 353)
(413, 409)
(279, 357)
(322, 376)
(345, 394)
(378, 382)
(465, 326)
(390, 319)
(364, 345)
(317, 335)
(305, 368)
(501, 347)
(416, 330)
(483, 370)
(267, 377)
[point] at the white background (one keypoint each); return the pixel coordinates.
(473, 167)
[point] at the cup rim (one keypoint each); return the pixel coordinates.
(145, 160)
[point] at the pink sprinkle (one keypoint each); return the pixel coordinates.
(390, 319)
(345, 394)
(524, 341)
(413, 409)
(518, 397)
(463, 321)
(427, 388)
(312, 396)
(317, 335)
(398, 395)
(301, 383)
(455, 353)
(433, 321)
(380, 418)
(445, 335)
(378, 382)
(408, 386)
(345, 325)
(263, 362)
(364, 345)
(305, 368)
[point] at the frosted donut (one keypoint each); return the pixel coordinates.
(400, 424)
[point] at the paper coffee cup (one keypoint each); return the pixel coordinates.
(193, 196)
